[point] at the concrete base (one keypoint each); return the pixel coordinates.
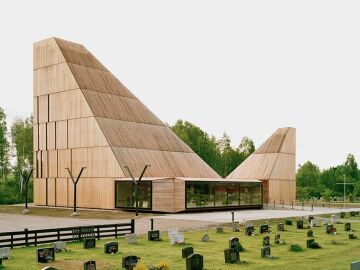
(26, 211)
(74, 214)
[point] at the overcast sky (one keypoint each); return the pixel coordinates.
(243, 67)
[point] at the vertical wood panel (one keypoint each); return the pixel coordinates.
(61, 135)
(62, 192)
(43, 109)
(40, 191)
(51, 191)
(42, 136)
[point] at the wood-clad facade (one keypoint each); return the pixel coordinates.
(274, 164)
(85, 117)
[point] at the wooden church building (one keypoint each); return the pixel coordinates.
(85, 117)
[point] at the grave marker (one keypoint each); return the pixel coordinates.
(5, 253)
(131, 238)
(310, 243)
(205, 238)
(264, 228)
(355, 265)
(277, 239)
(129, 262)
(176, 237)
(231, 255)
(288, 222)
(45, 255)
(300, 224)
(329, 228)
(352, 236)
(186, 252)
(280, 227)
(266, 241)
(195, 262)
(265, 252)
(154, 235)
(111, 247)
(310, 233)
(249, 230)
(342, 214)
(59, 246)
(89, 265)
(89, 243)
(236, 227)
(219, 229)
(347, 227)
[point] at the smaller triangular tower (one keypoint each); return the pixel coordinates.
(274, 163)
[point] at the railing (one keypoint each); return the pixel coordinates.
(74, 234)
(309, 204)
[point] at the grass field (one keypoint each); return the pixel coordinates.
(330, 256)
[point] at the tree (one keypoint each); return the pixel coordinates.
(22, 142)
(327, 194)
(351, 167)
(246, 147)
(4, 146)
(302, 193)
(308, 176)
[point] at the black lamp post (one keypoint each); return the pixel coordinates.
(136, 184)
(75, 184)
(26, 210)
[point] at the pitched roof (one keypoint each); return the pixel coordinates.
(135, 135)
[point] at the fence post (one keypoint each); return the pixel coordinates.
(26, 236)
(115, 230)
(292, 205)
(232, 217)
(35, 239)
(12, 241)
(80, 229)
(274, 203)
(132, 225)
(302, 205)
(152, 224)
(58, 235)
(98, 232)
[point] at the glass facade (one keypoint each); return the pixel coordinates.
(125, 194)
(215, 194)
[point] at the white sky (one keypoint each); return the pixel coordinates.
(244, 67)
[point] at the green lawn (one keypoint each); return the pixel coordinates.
(330, 256)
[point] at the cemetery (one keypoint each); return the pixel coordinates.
(288, 247)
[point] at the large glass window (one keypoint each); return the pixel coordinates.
(125, 194)
(222, 194)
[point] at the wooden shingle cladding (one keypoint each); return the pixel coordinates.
(84, 116)
(274, 162)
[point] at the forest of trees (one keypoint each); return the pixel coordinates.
(16, 157)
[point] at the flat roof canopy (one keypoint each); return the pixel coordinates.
(222, 180)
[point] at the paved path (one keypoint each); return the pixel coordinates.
(15, 222)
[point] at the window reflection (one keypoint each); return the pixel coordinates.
(125, 194)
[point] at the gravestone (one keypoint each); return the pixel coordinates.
(288, 222)
(89, 265)
(111, 247)
(314, 223)
(355, 265)
(154, 235)
(277, 239)
(249, 230)
(176, 237)
(342, 214)
(352, 236)
(266, 241)
(334, 218)
(59, 246)
(310, 218)
(264, 228)
(352, 214)
(309, 242)
(280, 227)
(236, 227)
(300, 224)
(329, 228)
(195, 262)
(234, 242)
(131, 238)
(231, 255)
(89, 243)
(347, 227)
(265, 252)
(205, 238)
(219, 229)
(0, 261)
(310, 233)
(129, 262)
(186, 252)
(45, 255)
(5, 253)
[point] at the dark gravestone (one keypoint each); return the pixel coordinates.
(329, 228)
(342, 214)
(277, 239)
(186, 252)
(111, 247)
(195, 262)
(300, 224)
(45, 255)
(347, 227)
(264, 228)
(355, 265)
(266, 251)
(352, 236)
(89, 243)
(231, 255)
(154, 235)
(352, 214)
(310, 233)
(280, 227)
(90, 265)
(129, 262)
(309, 242)
(234, 242)
(288, 222)
(266, 241)
(249, 230)
(0, 261)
